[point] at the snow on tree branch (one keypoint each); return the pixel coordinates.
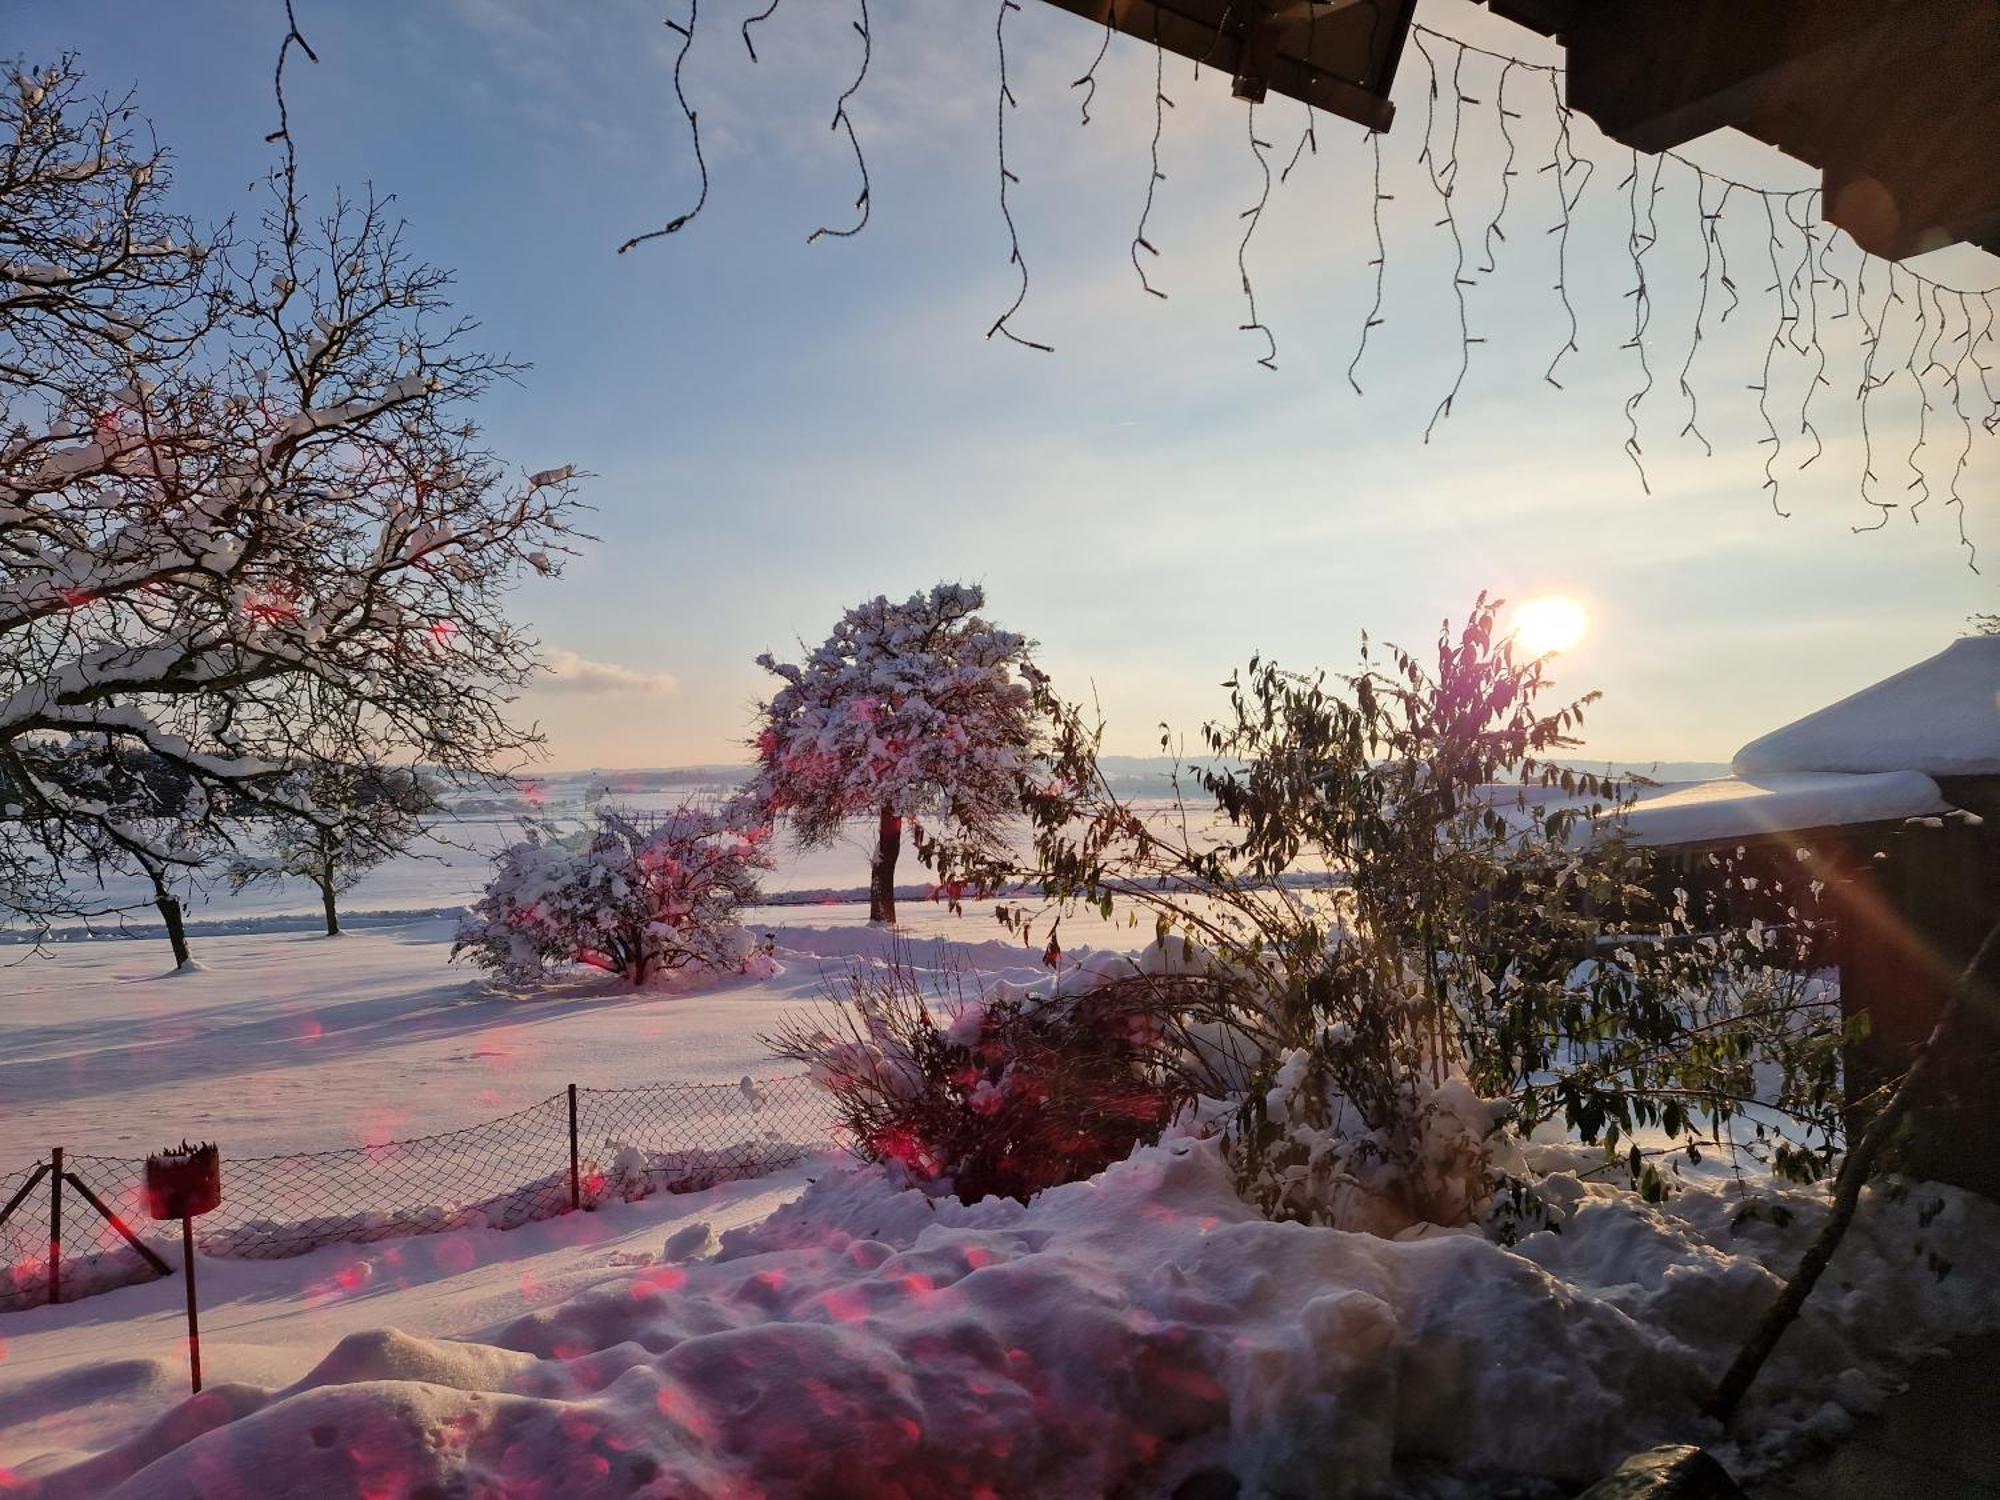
(246, 521)
(920, 710)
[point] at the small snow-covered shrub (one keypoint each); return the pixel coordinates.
(1008, 1092)
(634, 896)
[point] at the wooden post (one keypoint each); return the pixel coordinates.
(194, 1329)
(55, 1224)
(575, 1173)
(124, 1229)
(21, 1193)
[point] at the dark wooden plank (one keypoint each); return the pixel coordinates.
(1339, 56)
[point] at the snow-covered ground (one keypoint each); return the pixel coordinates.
(292, 1041)
(1115, 1337)
(822, 1332)
(286, 1040)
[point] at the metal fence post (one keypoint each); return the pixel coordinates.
(575, 1174)
(55, 1224)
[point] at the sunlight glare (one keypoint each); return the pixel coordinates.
(1552, 623)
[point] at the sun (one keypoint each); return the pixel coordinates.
(1551, 623)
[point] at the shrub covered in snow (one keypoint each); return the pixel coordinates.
(634, 896)
(1009, 1091)
(918, 712)
(1482, 968)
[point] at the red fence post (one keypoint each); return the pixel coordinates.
(575, 1174)
(55, 1224)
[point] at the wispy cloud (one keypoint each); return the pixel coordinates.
(569, 673)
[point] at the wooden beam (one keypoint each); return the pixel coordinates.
(1897, 102)
(1339, 56)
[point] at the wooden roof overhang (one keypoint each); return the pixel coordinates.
(1897, 102)
(1336, 55)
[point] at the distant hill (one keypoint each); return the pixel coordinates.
(1656, 770)
(664, 779)
(1127, 775)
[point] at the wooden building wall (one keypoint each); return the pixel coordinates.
(1908, 920)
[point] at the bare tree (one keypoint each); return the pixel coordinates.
(245, 522)
(365, 815)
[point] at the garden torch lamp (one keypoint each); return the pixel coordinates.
(182, 1183)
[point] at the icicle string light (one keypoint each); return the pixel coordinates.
(681, 221)
(1642, 234)
(1443, 178)
(1954, 498)
(1809, 266)
(1763, 385)
(1954, 326)
(1566, 202)
(1920, 482)
(1088, 83)
(1871, 341)
(843, 120)
(1310, 135)
(1808, 292)
(1154, 176)
(1710, 244)
(1254, 214)
(1004, 102)
(1507, 173)
(748, 21)
(1374, 319)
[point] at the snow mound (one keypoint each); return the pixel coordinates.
(1941, 716)
(1116, 1336)
(1749, 807)
(985, 958)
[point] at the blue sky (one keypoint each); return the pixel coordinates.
(778, 429)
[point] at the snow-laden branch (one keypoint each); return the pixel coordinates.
(245, 522)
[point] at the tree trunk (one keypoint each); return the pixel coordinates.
(170, 912)
(882, 868)
(326, 887)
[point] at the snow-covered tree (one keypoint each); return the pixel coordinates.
(920, 711)
(244, 520)
(635, 896)
(364, 815)
(143, 796)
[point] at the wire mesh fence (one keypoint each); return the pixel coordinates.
(570, 1151)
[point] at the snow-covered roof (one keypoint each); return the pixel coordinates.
(1742, 807)
(1941, 717)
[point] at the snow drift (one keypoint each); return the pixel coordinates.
(1117, 1336)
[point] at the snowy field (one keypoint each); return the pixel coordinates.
(285, 1040)
(290, 1041)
